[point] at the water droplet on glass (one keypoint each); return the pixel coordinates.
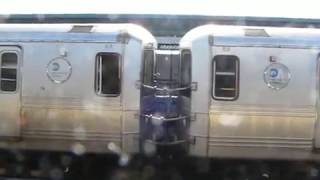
(78, 149)
(124, 159)
(149, 149)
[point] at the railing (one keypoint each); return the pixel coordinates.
(162, 118)
(166, 89)
(167, 143)
(162, 112)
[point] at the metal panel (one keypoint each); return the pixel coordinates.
(199, 127)
(71, 93)
(130, 131)
(200, 98)
(317, 124)
(69, 124)
(133, 53)
(301, 90)
(10, 101)
(263, 122)
(71, 111)
(262, 116)
(201, 53)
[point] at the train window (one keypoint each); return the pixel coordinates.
(9, 63)
(225, 77)
(108, 71)
(167, 68)
(163, 67)
(186, 68)
(148, 67)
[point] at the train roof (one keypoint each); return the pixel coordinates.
(73, 33)
(255, 36)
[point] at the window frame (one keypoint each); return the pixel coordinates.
(96, 74)
(184, 52)
(213, 77)
(17, 53)
(143, 68)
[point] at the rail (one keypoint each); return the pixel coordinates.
(165, 89)
(166, 143)
(163, 119)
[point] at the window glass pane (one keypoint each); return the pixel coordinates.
(148, 67)
(8, 85)
(9, 71)
(225, 82)
(225, 86)
(163, 67)
(225, 63)
(175, 68)
(223, 93)
(108, 74)
(9, 60)
(168, 70)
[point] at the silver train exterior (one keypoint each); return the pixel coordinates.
(51, 96)
(249, 92)
(257, 92)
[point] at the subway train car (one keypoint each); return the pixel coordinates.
(72, 88)
(257, 92)
(226, 92)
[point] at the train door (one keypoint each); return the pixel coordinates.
(10, 61)
(165, 101)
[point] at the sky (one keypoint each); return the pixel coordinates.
(260, 8)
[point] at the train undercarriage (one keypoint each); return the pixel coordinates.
(31, 165)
